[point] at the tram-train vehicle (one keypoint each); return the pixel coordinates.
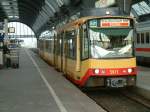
(93, 51)
(142, 43)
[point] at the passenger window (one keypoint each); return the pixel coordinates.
(138, 38)
(142, 38)
(147, 37)
(85, 48)
(71, 42)
(47, 45)
(50, 49)
(41, 44)
(59, 41)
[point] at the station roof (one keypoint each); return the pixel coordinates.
(141, 10)
(41, 14)
(37, 13)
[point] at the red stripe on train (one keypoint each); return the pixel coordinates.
(115, 72)
(143, 49)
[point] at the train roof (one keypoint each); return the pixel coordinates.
(91, 13)
(143, 26)
(75, 24)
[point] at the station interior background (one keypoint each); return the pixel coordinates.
(24, 33)
(139, 10)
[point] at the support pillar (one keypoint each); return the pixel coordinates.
(124, 6)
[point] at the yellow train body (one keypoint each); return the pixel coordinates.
(78, 76)
(90, 72)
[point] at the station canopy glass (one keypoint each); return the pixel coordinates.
(141, 8)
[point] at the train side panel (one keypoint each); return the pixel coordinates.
(142, 45)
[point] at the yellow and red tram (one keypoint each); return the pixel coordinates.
(94, 51)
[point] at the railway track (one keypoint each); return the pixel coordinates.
(119, 101)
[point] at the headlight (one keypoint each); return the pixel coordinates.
(129, 70)
(96, 71)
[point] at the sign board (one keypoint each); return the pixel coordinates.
(11, 30)
(93, 23)
(105, 23)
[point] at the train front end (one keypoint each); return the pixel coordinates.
(111, 61)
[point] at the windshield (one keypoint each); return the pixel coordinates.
(111, 42)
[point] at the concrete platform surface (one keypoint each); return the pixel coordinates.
(143, 81)
(143, 77)
(37, 87)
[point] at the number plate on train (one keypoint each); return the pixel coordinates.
(112, 72)
(116, 82)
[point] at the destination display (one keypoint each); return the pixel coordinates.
(114, 23)
(109, 23)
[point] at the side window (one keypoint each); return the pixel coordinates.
(50, 46)
(58, 44)
(138, 38)
(41, 47)
(41, 44)
(47, 45)
(71, 43)
(142, 38)
(147, 37)
(84, 42)
(38, 44)
(70, 48)
(44, 45)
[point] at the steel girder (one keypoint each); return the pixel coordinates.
(41, 14)
(29, 10)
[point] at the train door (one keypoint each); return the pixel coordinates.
(58, 54)
(56, 49)
(64, 57)
(78, 50)
(70, 52)
(43, 53)
(61, 52)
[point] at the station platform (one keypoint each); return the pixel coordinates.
(143, 81)
(37, 87)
